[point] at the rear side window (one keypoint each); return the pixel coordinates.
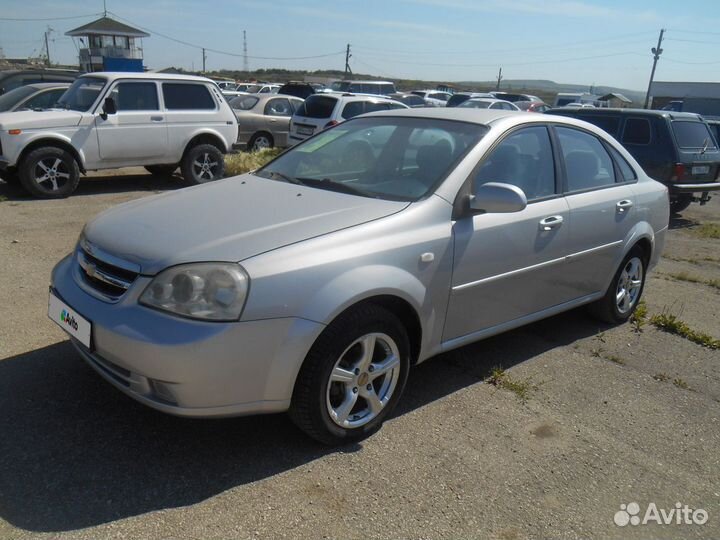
(626, 171)
(185, 96)
(317, 106)
(44, 100)
(135, 96)
(587, 163)
(278, 107)
(637, 131)
(457, 99)
(244, 103)
(523, 159)
(692, 134)
(353, 109)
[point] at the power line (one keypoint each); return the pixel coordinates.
(226, 53)
(50, 18)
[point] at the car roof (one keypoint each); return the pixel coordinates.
(633, 112)
(473, 116)
(112, 75)
(46, 85)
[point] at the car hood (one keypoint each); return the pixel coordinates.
(227, 220)
(39, 119)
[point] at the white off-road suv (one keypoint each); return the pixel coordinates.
(111, 120)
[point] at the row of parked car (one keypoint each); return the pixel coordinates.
(164, 122)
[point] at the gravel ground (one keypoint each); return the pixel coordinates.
(610, 416)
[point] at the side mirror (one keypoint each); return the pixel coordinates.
(498, 198)
(109, 107)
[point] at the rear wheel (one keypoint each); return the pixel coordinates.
(49, 173)
(680, 203)
(261, 141)
(201, 164)
(161, 170)
(353, 376)
(623, 295)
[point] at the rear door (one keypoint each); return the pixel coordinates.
(277, 114)
(697, 151)
(602, 208)
(311, 117)
(138, 129)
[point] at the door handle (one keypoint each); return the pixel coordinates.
(156, 118)
(623, 206)
(550, 223)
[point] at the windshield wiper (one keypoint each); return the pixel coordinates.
(327, 183)
(276, 175)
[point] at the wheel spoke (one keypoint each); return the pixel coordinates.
(368, 350)
(621, 296)
(342, 375)
(56, 164)
(63, 175)
(54, 184)
(343, 411)
(635, 284)
(44, 167)
(385, 367)
(212, 164)
(211, 176)
(373, 401)
(197, 163)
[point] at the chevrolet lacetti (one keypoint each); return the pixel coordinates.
(314, 284)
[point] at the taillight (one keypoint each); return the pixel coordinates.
(678, 172)
(331, 123)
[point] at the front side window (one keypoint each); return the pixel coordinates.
(135, 96)
(587, 163)
(44, 100)
(637, 131)
(187, 97)
(383, 157)
(82, 94)
(523, 159)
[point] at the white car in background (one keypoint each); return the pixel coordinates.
(487, 103)
(433, 98)
(324, 110)
(263, 89)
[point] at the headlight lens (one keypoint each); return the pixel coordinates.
(209, 291)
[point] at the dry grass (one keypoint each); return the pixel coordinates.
(684, 276)
(671, 324)
(243, 162)
(707, 230)
(521, 388)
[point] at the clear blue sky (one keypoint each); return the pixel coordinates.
(571, 41)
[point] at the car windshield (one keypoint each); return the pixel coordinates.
(383, 157)
(254, 89)
(244, 103)
(13, 97)
(475, 104)
(82, 94)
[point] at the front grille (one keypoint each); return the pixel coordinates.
(109, 280)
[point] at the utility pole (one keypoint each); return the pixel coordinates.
(657, 51)
(47, 45)
(347, 61)
(246, 65)
(499, 78)
(204, 58)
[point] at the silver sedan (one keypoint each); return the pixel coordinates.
(264, 119)
(315, 283)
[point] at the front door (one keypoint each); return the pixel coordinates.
(138, 130)
(507, 266)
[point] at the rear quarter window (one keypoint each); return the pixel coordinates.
(187, 96)
(610, 124)
(317, 106)
(690, 134)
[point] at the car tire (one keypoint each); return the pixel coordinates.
(343, 394)
(260, 141)
(49, 172)
(680, 203)
(629, 280)
(201, 164)
(161, 170)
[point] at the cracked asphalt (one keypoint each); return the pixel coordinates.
(613, 416)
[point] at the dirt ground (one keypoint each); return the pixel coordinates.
(586, 418)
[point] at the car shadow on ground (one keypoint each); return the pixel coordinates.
(102, 185)
(679, 222)
(75, 452)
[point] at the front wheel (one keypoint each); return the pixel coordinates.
(201, 164)
(623, 295)
(49, 173)
(353, 376)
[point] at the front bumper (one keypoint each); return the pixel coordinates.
(694, 188)
(187, 367)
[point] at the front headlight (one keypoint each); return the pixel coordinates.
(209, 291)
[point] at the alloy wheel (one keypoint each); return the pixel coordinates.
(629, 285)
(204, 168)
(51, 173)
